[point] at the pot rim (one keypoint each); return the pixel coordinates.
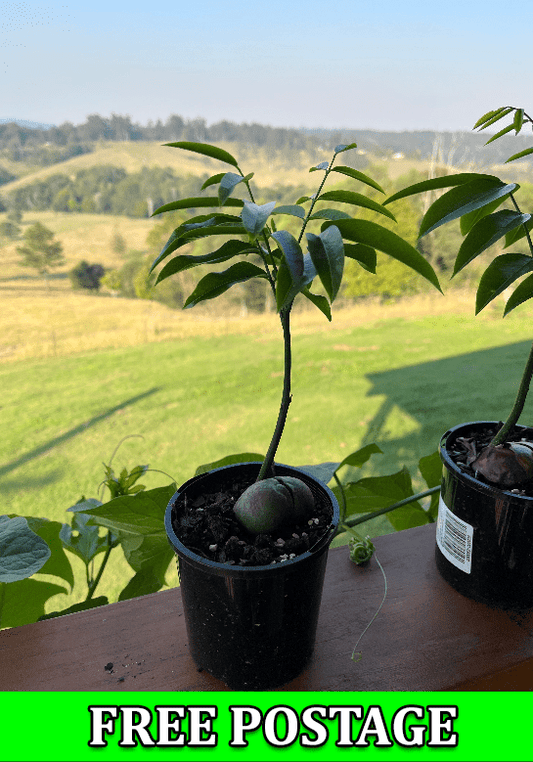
(474, 483)
(235, 569)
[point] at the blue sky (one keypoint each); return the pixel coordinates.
(389, 65)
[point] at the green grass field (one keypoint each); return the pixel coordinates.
(399, 376)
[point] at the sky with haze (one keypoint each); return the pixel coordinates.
(389, 65)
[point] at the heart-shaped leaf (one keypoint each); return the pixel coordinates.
(22, 552)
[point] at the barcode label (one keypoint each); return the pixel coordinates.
(454, 538)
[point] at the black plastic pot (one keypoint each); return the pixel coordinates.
(484, 534)
(253, 627)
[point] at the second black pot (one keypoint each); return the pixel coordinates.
(484, 533)
(253, 627)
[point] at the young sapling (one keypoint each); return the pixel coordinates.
(288, 271)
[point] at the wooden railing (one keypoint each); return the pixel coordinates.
(426, 637)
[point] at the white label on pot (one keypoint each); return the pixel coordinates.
(454, 538)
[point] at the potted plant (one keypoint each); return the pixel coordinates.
(485, 525)
(252, 537)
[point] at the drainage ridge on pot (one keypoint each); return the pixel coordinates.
(253, 627)
(484, 533)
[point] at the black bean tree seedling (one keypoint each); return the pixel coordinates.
(242, 230)
(475, 199)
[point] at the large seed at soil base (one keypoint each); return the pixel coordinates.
(508, 465)
(271, 503)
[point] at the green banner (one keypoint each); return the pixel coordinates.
(269, 726)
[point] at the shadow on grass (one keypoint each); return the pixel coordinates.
(37, 451)
(439, 394)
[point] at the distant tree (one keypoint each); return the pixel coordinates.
(86, 276)
(15, 216)
(40, 250)
(118, 244)
(9, 230)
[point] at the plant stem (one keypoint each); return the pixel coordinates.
(375, 514)
(285, 397)
(93, 586)
(316, 196)
(518, 406)
(525, 382)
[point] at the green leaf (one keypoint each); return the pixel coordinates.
(356, 175)
(497, 115)
(292, 252)
(322, 165)
(358, 458)
(467, 221)
(292, 209)
(58, 564)
(213, 180)
(321, 471)
(141, 514)
(287, 289)
(196, 202)
(214, 284)
(207, 150)
(327, 253)
(83, 538)
(378, 237)
(485, 233)
(518, 120)
(461, 200)
(330, 214)
(228, 460)
(437, 183)
(22, 552)
(342, 147)
(356, 199)
(499, 275)
(430, 467)
(229, 181)
(489, 116)
(499, 134)
(518, 233)
(377, 492)
(145, 552)
(254, 216)
(144, 582)
(227, 251)
(319, 301)
(84, 505)
(24, 601)
(303, 199)
(177, 240)
(522, 293)
(519, 155)
(365, 255)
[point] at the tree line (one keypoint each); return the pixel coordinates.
(111, 190)
(49, 146)
(44, 147)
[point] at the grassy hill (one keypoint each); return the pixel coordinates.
(271, 167)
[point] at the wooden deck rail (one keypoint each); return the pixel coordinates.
(426, 637)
